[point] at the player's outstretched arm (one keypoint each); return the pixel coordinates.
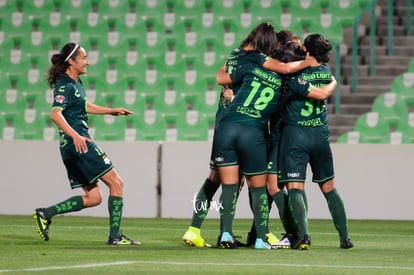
(100, 110)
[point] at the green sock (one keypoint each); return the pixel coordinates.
(70, 205)
(281, 200)
(298, 210)
(228, 201)
(201, 204)
(260, 207)
(337, 209)
(115, 205)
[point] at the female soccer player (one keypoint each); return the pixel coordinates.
(85, 162)
(305, 139)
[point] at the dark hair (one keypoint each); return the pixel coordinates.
(285, 36)
(262, 38)
(60, 62)
(287, 53)
(318, 47)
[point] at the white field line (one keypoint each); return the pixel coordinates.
(95, 265)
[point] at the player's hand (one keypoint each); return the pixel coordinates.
(121, 112)
(228, 93)
(80, 144)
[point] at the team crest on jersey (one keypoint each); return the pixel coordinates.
(301, 81)
(59, 98)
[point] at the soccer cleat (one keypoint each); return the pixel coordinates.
(347, 243)
(303, 243)
(193, 238)
(42, 223)
(227, 241)
(284, 243)
(121, 240)
(261, 244)
(271, 239)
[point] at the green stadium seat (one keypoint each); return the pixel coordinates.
(154, 41)
(192, 127)
(287, 21)
(12, 99)
(171, 60)
(330, 27)
(373, 128)
(152, 9)
(351, 137)
(170, 104)
(403, 85)
(207, 101)
(392, 108)
(152, 80)
(29, 125)
(109, 127)
(307, 11)
(50, 130)
(185, 8)
(130, 98)
(406, 128)
(345, 10)
(151, 126)
(265, 11)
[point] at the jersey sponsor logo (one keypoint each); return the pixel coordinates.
(311, 122)
(219, 159)
(249, 111)
(293, 175)
(59, 99)
(271, 77)
(316, 76)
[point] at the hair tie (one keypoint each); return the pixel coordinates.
(72, 52)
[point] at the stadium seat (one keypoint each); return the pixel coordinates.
(406, 128)
(152, 81)
(265, 11)
(150, 126)
(154, 41)
(50, 130)
(351, 137)
(330, 26)
(403, 85)
(130, 98)
(308, 11)
(151, 8)
(29, 125)
(109, 127)
(373, 128)
(184, 8)
(392, 108)
(170, 104)
(345, 10)
(287, 21)
(192, 127)
(171, 60)
(12, 100)
(207, 101)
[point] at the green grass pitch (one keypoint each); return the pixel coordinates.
(77, 246)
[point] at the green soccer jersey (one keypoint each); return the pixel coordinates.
(257, 98)
(237, 57)
(70, 97)
(307, 112)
